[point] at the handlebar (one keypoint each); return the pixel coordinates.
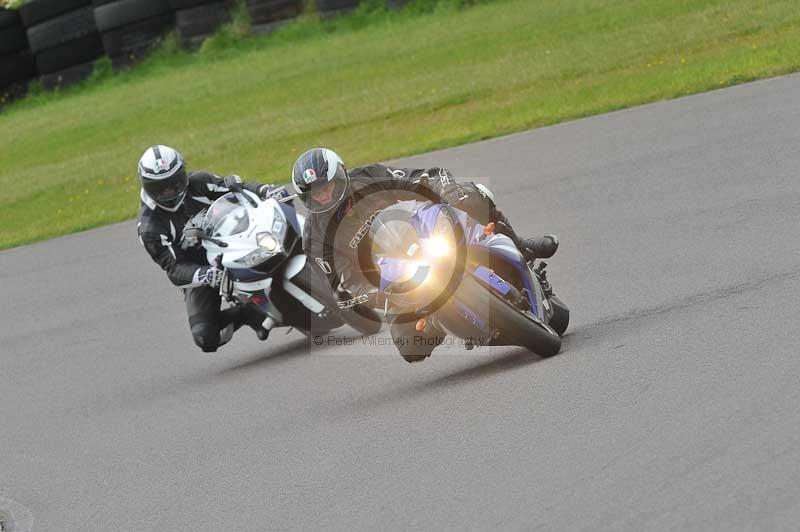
(214, 241)
(197, 234)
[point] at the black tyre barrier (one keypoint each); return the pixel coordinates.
(83, 50)
(268, 11)
(128, 44)
(16, 69)
(67, 76)
(333, 7)
(12, 39)
(130, 28)
(9, 17)
(36, 11)
(196, 23)
(63, 39)
(17, 66)
(187, 4)
(62, 29)
(123, 12)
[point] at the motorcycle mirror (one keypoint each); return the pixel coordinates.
(219, 243)
(200, 236)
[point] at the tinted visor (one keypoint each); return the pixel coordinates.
(170, 191)
(327, 195)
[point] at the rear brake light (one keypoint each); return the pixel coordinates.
(258, 299)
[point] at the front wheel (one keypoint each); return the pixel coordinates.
(560, 319)
(515, 327)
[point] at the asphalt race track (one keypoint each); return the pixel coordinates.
(675, 404)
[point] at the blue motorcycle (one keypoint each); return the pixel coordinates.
(439, 268)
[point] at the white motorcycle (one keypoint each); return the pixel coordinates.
(258, 245)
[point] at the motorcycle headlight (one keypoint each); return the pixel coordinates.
(441, 243)
(255, 258)
(267, 242)
(438, 246)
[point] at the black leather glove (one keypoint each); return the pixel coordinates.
(192, 236)
(233, 183)
(278, 192)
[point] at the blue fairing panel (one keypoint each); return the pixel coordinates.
(497, 247)
(471, 317)
(492, 280)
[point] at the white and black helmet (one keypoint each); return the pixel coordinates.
(163, 176)
(320, 179)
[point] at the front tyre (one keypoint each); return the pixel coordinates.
(516, 327)
(560, 319)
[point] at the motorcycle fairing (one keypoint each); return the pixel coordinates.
(494, 281)
(270, 213)
(503, 248)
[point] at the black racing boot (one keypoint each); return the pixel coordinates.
(244, 315)
(531, 248)
(538, 248)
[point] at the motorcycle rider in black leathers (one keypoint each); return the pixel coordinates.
(342, 205)
(170, 198)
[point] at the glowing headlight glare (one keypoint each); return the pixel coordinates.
(267, 241)
(439, 246)
(410, 269)
(416, 269)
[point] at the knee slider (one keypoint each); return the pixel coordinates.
(206, 337)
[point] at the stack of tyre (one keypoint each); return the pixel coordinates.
(267, 14)
(197, 19)
(130, 28)
(63, 37)
(334, 7)
(16, 63)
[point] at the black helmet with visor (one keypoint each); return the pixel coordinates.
(320, 179)
(162, 174)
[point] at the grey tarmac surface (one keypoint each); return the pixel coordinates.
(673, 406)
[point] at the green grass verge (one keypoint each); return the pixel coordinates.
(370, 87)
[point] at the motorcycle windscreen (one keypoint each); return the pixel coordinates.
(226, 217)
